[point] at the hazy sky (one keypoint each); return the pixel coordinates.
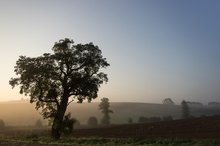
(157, 48)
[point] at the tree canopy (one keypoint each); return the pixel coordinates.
(53, 81)
(168, 101)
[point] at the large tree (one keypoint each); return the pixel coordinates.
(54, 80)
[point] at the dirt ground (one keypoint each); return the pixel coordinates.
(196, 128)
(206, 127)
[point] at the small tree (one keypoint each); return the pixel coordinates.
(104, 108)
(185, 110)
(168, 101)
(92, 121)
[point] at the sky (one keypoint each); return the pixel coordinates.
(156, 48)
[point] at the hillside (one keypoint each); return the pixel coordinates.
(24, 113)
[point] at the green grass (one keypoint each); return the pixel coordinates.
(36, 140)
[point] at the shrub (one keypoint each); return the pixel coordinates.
(167, 118)
(92, 121)
(142, 119)
(130, 120)
(154, 119)
(2, 124)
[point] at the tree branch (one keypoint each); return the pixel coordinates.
(40, 97)
(70, 102)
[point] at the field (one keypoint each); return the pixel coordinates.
(190, 132)
(203, 131)
(24, 114)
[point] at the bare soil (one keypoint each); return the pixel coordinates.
(206, 127)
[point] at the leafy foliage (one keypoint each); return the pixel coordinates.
(92, 121)
(53, 81)
(167, 118)
(168, 101)
(130, 120)
(2, 124)
(104, 108)
(149, 120)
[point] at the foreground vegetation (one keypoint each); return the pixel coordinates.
(35, 140)
(187, 132)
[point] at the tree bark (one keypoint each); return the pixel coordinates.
(58, 119)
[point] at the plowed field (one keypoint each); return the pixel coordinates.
(207, 127)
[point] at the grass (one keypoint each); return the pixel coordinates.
(40, 137)
(36, 140)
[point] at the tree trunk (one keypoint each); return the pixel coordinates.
(56, 128)
(58, 119)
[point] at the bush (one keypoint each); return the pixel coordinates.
(154, 119)
(142, 119)
(167, 118)
(76, 123)
(130, 120)
(92, 121)
(2, 124)
(149, 120)
(67, 126)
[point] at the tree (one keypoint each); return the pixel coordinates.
(168, 101)
(92, 121)
(104, 108)
(154, 119)
(167, 118)
(185, 109)
(143, 119)
(53, 81)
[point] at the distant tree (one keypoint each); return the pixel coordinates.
(104, 108)
(185, 110)
(154, 119)
(76, 123)
(193, 103)
(2, 124)
(214, 104)
(38, 123)
(54, 80)
(92, 121)
(130, 120)
(143, 119)
(168, 101)
(68, 124)
(148, 120)
(167, 118)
